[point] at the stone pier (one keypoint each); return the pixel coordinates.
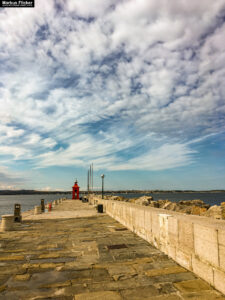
(75, 253)
(196, 243)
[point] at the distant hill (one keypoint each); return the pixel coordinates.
(33, 192)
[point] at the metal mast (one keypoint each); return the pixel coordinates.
(92, 178)
(88, 182)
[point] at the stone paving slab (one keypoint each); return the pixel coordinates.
(65, 210)
(89, 257)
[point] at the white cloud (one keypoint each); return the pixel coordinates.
(165, 157)
(18, 152)
(98, 79)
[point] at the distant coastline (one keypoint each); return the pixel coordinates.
(31, 192)
(34, 192)
(165, 191)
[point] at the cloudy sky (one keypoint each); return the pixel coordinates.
(135, 86)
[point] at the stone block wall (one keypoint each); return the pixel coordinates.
(196, 243)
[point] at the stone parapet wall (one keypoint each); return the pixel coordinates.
(196, 243)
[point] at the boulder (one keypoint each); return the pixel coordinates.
(207, 206)
(171, 206)
(117, 198)
(196, 202)
(186, 210)
(132, 200)
(144, 200)
(184, 202)
(162, 203)
(126, 199)
(197, 210)
(182, 208)
(216, 212)
(154, 204)
(167, 205)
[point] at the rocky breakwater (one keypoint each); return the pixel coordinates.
(191, 207)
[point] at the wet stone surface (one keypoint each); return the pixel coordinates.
(83, 258)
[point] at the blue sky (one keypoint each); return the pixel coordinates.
(135, 87)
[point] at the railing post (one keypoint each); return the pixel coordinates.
(17, 213)
(42, 205)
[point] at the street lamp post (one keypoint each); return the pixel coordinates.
(102, 185)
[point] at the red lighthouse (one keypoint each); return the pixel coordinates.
(75, 190)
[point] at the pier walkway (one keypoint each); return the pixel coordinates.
(75, 253)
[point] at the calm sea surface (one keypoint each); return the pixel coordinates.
(29, 201)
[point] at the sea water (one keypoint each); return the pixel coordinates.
(29, 201)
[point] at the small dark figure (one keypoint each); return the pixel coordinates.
(100, 208)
